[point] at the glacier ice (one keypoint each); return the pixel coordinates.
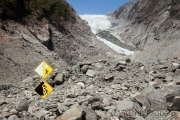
(103, 22)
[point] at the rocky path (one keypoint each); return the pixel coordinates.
(102, 90)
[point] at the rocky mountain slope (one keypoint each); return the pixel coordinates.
(151, 25)
(42, 30)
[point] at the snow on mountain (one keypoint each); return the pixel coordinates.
(115, 47)
(97, 22)
(103, 22)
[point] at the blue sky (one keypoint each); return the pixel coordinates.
(96, 6)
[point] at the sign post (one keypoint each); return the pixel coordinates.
(44, 88)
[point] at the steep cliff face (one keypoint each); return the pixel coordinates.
(125, 12)
(145, 23)
(46, 30)
(148, 21)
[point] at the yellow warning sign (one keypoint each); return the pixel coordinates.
(44, 70)
(44, 89)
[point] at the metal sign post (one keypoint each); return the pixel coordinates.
(44, 102)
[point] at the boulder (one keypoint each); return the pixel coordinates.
(97, 105)
(158, 115)
(59, 79)
(173, 115)
(147, 89)
(95, 99)
(48, 107)
(84, 68)
(175, 64)
(13, 117)
(121, 63)
(128, 109)
(114, 118)
(91, 73)
(108, 77)
(81, 84)
(41, 113)
(77, 68)
(176, 104)
(66, 74)
(160, 99)
(99, 66)
(22, 105)
(177, 72)
(107, 101)
(74, 113)
(140, 99)
(90, 114)
(100, 114)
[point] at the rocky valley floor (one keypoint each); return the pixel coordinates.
(102, 90)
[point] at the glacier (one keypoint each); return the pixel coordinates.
(97, 22)
(102, 22)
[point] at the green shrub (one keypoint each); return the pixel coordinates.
(12, 9)
(57, 10)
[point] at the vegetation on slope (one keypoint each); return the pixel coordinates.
(57, 10)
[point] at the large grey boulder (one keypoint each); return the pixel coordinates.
(90, 114)
(13, 117)
(121, 63)
(91, 73)
(161, 99)
(147, 89)
(100, 114)
(40, 114)
(158, 115)
(173, 115)
(109, 77)
(74, 113)
(59, 79)
(22, 105)
(129, 109)
(99, 66)
(84, 68)
(175, 106)
(77, 68)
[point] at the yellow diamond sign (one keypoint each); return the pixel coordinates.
(44, 70)
(44, 89)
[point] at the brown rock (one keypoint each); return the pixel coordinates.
(176, 103)
(59, 79)
(124, 88)
(84, 68)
